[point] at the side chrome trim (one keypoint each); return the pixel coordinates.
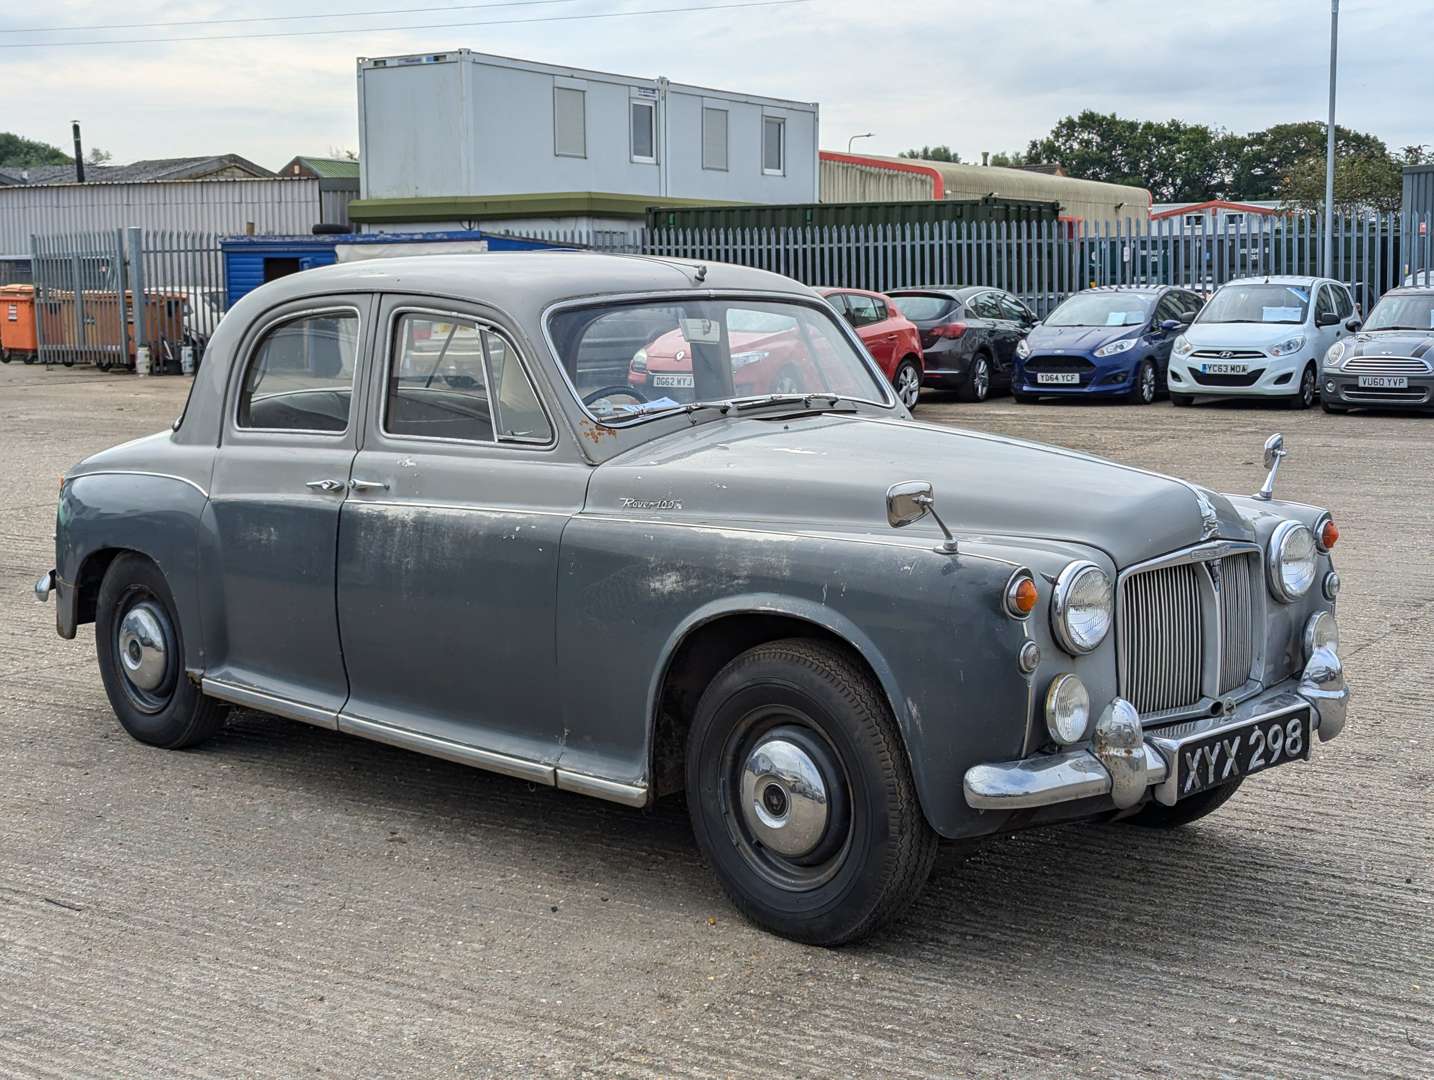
(508, 511)
(269, 703)
(136, 472)
(447, 749)
(611, 790)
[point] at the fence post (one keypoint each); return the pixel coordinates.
(141, 308)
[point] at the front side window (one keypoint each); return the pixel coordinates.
(644, 138)
(451, 379)
(570, 135)
(714, 139)
(1324, 305)
(1013, 309)
(1101, 309)
(1343, 305)
(1257, 302)
(1167, 309)
(301, 375)
(774, 145)
(861, 310)
(631, 360)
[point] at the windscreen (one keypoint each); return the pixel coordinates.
(1257, 302)
(629, 360)
(1414, 311)
(1101, 309)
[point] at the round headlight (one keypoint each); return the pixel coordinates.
(1321, 632)
(1290, 561)
(1067, 709)
(1081, 607)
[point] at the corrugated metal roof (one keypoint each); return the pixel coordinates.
(855, 178)
(180, 168)
(328, 168)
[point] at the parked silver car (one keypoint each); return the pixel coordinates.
(427, 501)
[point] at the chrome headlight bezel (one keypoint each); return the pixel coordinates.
(1067, 700)
(1321, 632)
(1285, 348)
(1073, 639)
(1334, 355)
(1286, 533)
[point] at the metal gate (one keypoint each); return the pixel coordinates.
(100, 297)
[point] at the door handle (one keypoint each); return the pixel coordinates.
(368, 485)
(329, 486)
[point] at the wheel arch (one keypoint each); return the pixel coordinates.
(717, 633)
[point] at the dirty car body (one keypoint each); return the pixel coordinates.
(419, 501)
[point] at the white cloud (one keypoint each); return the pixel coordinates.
(979, 75)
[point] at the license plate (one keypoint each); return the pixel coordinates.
(1059, 377)
(1225, 369)
(1384, 382)
(681, 381)
(1224, 758)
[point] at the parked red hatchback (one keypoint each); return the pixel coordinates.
(891, 338)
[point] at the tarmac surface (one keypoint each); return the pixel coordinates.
(286, 901)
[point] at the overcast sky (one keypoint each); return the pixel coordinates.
(978, 75)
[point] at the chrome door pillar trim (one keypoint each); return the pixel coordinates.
(251, 698)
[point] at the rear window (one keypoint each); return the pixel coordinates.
(923, 308)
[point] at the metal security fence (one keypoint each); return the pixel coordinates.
(1044, 262)
(100, 297)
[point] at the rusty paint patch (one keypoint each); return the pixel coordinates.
(597, 432)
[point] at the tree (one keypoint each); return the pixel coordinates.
(96, 156)
(1012, 159)
(1362, 181)
(18, 151)
(342, 154)
(1175, 160)
(1261, 160)
(933, 153)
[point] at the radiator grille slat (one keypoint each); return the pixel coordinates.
(1162, 628)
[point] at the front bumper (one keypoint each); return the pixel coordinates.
(45, 586)
(1269, 376)
(1106, 375)
(1339, 388)
(1124, 762)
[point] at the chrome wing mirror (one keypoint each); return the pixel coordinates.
(909, 502)
(1274, 454)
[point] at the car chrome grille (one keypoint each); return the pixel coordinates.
(1413, 395)
(1167, 661)
(1386, 365)
(1228, 354)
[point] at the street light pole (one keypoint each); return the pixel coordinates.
(1328, 264)
(867, 135)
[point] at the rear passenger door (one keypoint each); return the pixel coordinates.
(448, 543)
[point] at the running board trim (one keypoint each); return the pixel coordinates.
(448, 750)
(250, 698)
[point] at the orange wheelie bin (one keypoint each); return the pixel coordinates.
(17, 323)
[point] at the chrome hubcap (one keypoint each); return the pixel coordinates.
(143, 651)
(981, 379)
(1147, 384)
(908, 386)
(784, 798)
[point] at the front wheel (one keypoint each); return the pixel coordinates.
(1156, 815)
(141, 655)
(907, 382)
(977, 386)
(1142, 390)
(1304, 397)
(801, 797)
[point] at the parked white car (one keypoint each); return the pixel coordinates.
(1261, 337)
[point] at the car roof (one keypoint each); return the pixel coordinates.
(832, 290)
(956, 292)
(1411, 290)
(1281, 279)
(1150, 290)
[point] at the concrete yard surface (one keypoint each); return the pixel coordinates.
(286, 901)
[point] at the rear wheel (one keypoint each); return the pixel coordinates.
(1142, 390)
(977, 386)
(907, 382)
(141, 654)
(1181, 400)
(1156, 815)
(801, 797)
(1304, 397)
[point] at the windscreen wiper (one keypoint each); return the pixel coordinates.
(806, 401)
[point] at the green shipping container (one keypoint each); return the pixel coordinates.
(796, 215)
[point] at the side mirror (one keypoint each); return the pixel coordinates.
(1274, 449)
(1326, 318)
(908, 503)
(1353, 326)
(1187, 317)
(1170, 325)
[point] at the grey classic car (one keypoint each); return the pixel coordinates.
(431, 502)
(1389, 363)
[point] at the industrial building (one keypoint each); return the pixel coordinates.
(864, 178)
(467, 140)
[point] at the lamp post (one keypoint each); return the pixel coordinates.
(867, 135)
(1328, 264)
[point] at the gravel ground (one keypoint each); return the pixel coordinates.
(287, 901)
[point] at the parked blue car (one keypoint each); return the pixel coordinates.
(1111, 341)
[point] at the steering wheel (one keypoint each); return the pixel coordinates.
(608, 391)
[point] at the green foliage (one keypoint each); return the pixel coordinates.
(20, 152)
(1362, 181)
(96, 156)
(933, 153)
(1012, 159)
(1260, 161)
(1178, 162)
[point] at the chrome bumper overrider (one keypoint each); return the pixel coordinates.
(1124, 761)
(45, 586)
